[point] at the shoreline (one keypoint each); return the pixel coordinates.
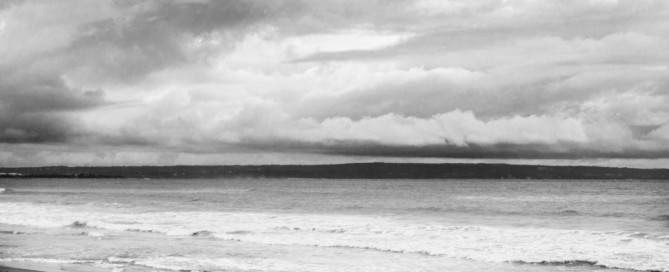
(29, 267)
(48, 267)
(14, 269)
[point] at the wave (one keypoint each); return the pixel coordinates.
(568, 213)
(6, 190)
(202, 233)
(664, 217)
(78, 265)
(429, 209)
(144, 230)
(563, 263)
(14, 232)
(497, 212)
(78, 225)
(626, 250)
(467, 210)
(568, 263)
(92, 234)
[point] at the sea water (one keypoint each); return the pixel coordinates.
(336, 225)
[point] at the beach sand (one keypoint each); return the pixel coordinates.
(13, 269)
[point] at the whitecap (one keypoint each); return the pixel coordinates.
(78, 225)
(94, 234)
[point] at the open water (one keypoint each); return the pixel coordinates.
(336, 225)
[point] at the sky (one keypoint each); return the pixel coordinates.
(166, 82)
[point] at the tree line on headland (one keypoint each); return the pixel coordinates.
(342, 171)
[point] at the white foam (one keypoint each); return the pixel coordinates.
(40, 260)
(94, 234)
(226, 264)
(627, 250)
(179, 263)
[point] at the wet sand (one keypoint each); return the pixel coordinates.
(47, 267)
(4, 268)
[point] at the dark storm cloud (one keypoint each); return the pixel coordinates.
(34, 128)
(38, 92)
(32, 106)
(8, 3)
(147, 36)
(153, 35)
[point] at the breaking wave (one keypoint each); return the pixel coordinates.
(78, 225)
(563, 263)
(569, 213)
(593, 264)
(202, 233)
(664, 217)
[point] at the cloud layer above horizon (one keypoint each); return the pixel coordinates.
(381, 78)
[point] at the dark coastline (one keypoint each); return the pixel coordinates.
(343, 171)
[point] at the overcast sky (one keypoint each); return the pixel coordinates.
(236, 82)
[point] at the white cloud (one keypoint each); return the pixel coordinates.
(453, 128)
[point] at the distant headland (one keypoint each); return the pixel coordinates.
(343, 171)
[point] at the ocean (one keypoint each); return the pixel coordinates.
(335, 225)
